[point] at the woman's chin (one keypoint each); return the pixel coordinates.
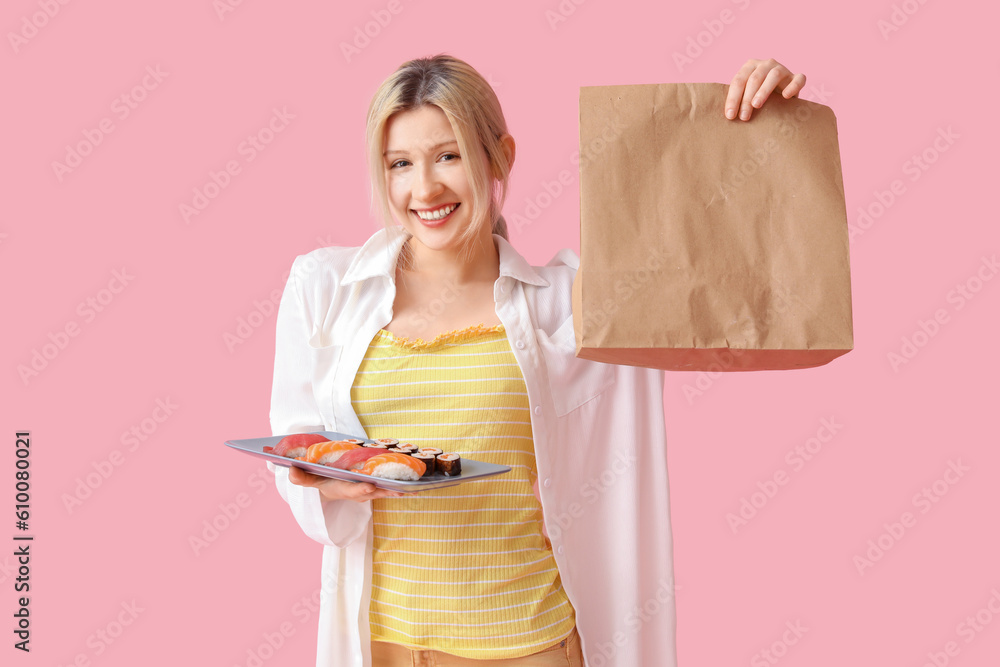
(441, 236)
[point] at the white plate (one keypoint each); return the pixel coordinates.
(471, 470)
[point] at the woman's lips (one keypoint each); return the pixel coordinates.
(440, 221)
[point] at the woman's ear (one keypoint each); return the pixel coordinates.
(508, 148)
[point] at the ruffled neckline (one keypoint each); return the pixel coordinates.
(456, 336)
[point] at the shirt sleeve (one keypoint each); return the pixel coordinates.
(293, 410)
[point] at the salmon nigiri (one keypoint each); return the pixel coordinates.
(392, 465)
(326, 453)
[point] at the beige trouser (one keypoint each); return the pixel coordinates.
(565, 653)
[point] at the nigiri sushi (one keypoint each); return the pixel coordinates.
(354, 459)
(326, 453)
(295, 445)
(393, 465)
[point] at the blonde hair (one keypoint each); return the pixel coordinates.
(474, 112)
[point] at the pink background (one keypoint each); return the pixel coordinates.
(162, 336)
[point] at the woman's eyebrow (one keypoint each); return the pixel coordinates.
(429, 150)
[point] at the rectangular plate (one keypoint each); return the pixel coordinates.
(471, 470)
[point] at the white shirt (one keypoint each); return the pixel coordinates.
(600, 448)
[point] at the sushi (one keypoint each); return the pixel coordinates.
(295, 445)
(326, 453)
(428, 460)
(386, 458)
(354, 459)
(449, 464)
(396, 466)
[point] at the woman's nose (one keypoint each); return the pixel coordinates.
(426, 185)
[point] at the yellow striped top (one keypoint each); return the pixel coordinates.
(464, 569)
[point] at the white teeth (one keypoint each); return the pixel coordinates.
(438, 214)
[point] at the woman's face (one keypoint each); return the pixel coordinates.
(429, 192)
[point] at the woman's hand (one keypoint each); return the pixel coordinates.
(754, 82)
(336, 489)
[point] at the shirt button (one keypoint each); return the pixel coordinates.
(560, 550)
(538, 409)
(520, 344)
(547, 482)
(503, 288)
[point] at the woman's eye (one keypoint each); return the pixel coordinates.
(403, 163)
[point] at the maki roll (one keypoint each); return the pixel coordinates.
(405, 449)
(392, 442)
(428, 460)
(433, 451)
(449, 464)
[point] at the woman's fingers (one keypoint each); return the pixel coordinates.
(372, 492)
(336, 489)
(772, 78)
(755, 81)
(359, 491)
(303, 478)
(796, 85)
(737, 87)
(761, 81)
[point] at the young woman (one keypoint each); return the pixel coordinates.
(436, 331)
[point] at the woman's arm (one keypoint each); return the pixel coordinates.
(293, 406)
(324, 517)
(751, 86)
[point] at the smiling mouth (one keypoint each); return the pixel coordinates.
(438, 213)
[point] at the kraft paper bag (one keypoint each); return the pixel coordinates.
(706, 243)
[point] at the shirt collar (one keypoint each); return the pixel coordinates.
(377, 257)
